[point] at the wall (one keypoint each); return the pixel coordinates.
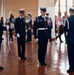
(0, 7)
(29, 5)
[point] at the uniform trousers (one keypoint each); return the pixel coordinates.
(71, 56)
(42, 49)
(21, 46)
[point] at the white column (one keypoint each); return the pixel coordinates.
(73, 3)
(3, 9)
(52, 15)
(49, 4)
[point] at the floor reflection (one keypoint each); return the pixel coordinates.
(71, 73)
(41, 71)
(56, 59)
(21, 68)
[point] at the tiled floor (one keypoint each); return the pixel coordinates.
(56, 59)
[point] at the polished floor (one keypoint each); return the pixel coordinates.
(56, 59)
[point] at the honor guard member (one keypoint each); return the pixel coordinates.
(2, 28)
(41, 33)
(21, 33)
(29, 33)
(69, 28)
(50, 25)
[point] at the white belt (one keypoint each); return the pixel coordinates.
(42, 28)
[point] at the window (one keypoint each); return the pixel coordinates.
(64, 6)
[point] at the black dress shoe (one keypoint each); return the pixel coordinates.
(1, 68)
(43, 64)
(23, 58)
(70, 71)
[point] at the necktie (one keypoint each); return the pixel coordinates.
(44, 19)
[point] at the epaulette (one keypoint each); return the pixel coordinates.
(37, 18)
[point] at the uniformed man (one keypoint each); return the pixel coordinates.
(21, 33)
(29, 33)
(69, 28)
(2, 28)
(41, 33)
(50, 25)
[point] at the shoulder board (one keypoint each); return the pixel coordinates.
(37, 18)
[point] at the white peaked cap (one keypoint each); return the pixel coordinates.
(71, 9)
(29, 13)
(22, 9)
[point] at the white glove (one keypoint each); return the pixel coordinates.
(18, 35)
(37, 39)
(7, 27)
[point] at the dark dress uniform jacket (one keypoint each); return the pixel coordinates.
(70, 29)
(20, 26)
(41, 23)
